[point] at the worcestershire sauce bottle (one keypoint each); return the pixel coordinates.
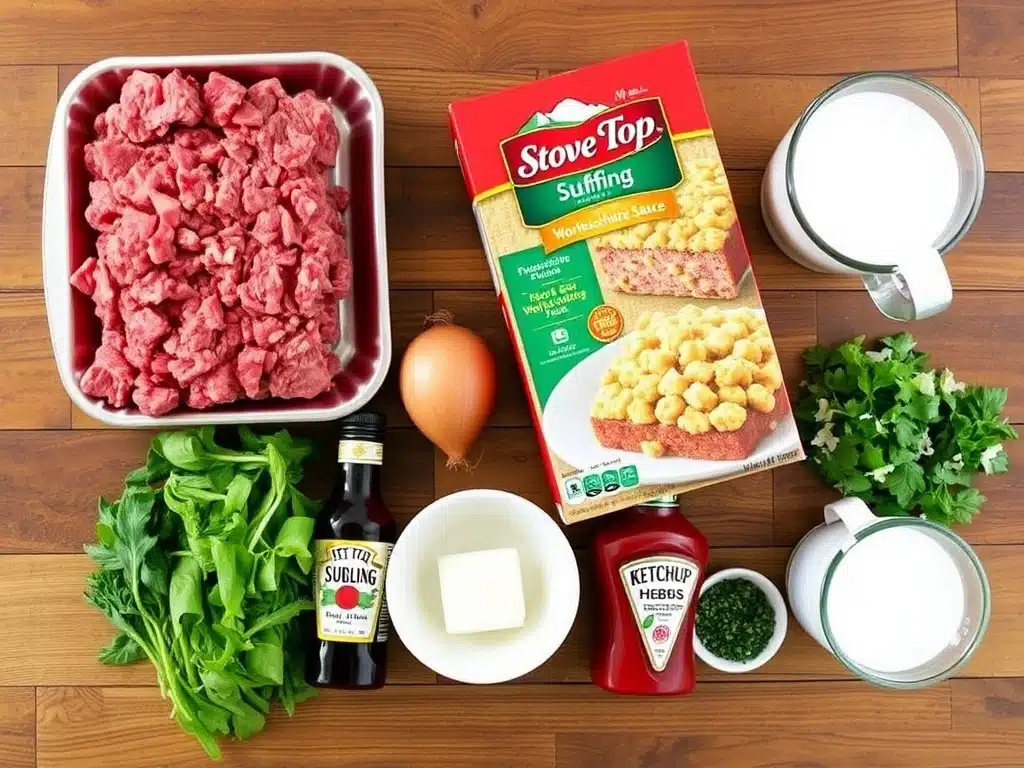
(353, 538)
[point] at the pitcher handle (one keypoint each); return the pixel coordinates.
(851, 512)
(918, 287)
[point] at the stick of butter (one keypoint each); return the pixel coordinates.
(481, 591)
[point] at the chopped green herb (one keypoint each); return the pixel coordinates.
(735, 620)
(882, 426)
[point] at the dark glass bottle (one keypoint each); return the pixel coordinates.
(353, 538)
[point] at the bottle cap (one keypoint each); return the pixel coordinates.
(671, 500)
(365, 425)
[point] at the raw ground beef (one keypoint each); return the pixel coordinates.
(716, 446)
(221, 255)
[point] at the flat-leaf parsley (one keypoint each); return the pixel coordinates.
(903, 437)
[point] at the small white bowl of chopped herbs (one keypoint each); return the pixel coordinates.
(741, 620)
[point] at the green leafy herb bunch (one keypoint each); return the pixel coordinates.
(204, 567)
(907, 439)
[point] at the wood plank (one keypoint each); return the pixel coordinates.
(989, 33)
(751, 113)
(93, 726)
(836, 749)
(995, 705)
(800, 496)
(46, 591)
(416, 103)
(143, 722)
(1002, 105)
(409, 310)
(433, 240)
(26, 112)
(21, 204)
(44, 516)
(31, 395)
(978, 336)
(18, 728)
(432, 237)
(794, 36)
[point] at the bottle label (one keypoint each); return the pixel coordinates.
(659, 590)
(349, 590)
(360, 452)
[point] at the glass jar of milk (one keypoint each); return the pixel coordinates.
(880, 177)
(902, 602)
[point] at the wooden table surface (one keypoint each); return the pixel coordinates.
(760, 62)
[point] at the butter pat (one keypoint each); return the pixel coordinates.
(481, 591)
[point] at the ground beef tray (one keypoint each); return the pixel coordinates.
(716, 446)
(221, 256)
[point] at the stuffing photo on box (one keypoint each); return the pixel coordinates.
(622, 273)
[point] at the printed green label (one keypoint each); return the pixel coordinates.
(552, 297)
(654, 167)
(629, 476)
(610, 479)
(592, 484)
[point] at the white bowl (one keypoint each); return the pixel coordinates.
(781, 622)
(474, 520)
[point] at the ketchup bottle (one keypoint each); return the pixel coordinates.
(649, 564)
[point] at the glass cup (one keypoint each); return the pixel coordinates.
(860, 524)
(913, 290)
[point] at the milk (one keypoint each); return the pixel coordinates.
(876, 176)
(902, 603)
(896, 601)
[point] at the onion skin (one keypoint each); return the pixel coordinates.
(448, 381)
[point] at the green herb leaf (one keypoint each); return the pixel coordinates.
(648, 621)
(906, 438)
(186, 593)
(121, 650)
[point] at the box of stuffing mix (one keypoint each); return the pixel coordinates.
(622, 273)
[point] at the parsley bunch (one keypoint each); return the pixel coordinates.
(204, 565)
(905, 438)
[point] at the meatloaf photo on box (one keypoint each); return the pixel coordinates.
(697, 383)
(221, 254)
(700, 254)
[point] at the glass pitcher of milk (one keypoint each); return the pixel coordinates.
(880, 177)
(901, 601)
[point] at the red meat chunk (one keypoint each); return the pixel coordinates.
(110, 377)
(84, 278)
(302, 368)
(111, 158)
(156, 401)
(221, 254)
(222, 97)
(217, 387)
